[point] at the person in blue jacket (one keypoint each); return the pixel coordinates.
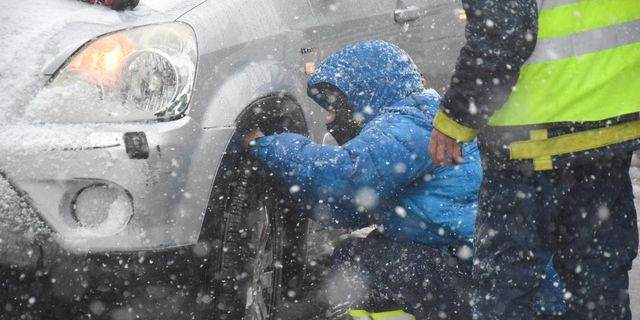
(419, 257)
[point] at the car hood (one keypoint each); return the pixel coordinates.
(39, 35)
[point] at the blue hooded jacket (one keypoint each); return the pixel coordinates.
(384, 175)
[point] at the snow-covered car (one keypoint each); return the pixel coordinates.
(122, 130)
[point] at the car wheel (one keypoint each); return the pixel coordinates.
(253, 234)
(248, 282)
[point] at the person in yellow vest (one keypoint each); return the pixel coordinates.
(551, 89)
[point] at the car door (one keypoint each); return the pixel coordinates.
(341, 22)
(431, 31)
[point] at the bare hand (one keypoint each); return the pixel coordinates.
(249, 138)
(443, 149)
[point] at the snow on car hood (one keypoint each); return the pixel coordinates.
(39, 35)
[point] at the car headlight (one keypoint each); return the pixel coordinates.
(144, 73)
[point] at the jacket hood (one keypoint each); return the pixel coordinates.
(373, 74)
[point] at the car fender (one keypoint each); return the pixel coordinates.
(249, 83)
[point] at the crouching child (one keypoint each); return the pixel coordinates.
(417, 263)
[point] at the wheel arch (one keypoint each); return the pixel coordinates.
(264, 109)
(248, 84)
(272, 86)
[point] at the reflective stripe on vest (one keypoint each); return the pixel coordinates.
(540, 148)
(388, 315)
(585, 67)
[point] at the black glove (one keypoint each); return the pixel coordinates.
(116, 4)
(123, 4)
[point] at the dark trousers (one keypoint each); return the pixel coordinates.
(583, 215)
(378, 274)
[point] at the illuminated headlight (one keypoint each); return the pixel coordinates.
(101, 210)
(143, 73)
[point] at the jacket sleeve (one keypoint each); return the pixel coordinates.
(500, 37)
(376, 165)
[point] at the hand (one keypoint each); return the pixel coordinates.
(443, 149)
(249, 138)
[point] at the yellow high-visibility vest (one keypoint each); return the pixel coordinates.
(585, 66)
(584, 69)
(387, 315)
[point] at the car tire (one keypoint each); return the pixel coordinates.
(248, 282)
(255, 236)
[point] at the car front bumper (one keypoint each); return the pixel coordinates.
(169, 187)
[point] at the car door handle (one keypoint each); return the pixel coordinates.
(407, 14)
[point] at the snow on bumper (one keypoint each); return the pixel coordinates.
(167, 190)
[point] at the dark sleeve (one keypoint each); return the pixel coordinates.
(501, 35)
